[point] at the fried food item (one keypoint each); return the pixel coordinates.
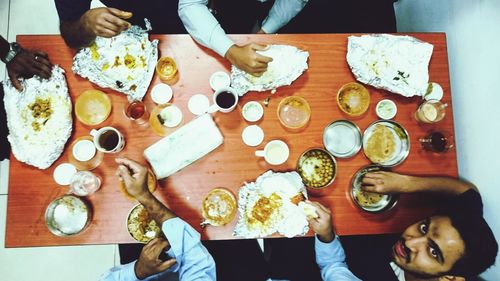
(264, 208)
(151, 186)
(219, 207)
(308, 210)
(381, 145)
(141, 226)
(368, 199)
(297, 198)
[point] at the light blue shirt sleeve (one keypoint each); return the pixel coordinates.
(194, 263)
(203, 26)
(330, 258)
(206, 30)
(281, 13)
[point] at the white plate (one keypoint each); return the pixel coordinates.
(161, 93)
(219, 79)
(252, 111)
(172, 116)
(198, 104)
(63, 173)
(252, 135)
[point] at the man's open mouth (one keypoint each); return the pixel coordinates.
(401, 250)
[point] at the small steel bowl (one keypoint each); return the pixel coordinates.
(386, 202)
(306, 159)
(67, 215)
(130, 227)
(335, 136)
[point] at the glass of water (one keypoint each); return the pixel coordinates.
(84, 183)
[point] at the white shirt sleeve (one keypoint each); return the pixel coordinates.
(281, 13)
(330, 258)
(203, 26)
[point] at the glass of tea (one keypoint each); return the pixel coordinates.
(136, 111)
(438, 142)
(431, 111)
(84, 183)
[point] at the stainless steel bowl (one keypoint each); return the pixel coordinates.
(305, 160)
(342, 138)
(67, 215)
(387, 202)
(402, 142)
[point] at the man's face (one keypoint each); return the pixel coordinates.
(429, 248)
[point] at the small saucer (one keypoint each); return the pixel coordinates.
(252, 111)
(219, 79)
(83, 150)
(91, 163)
(252, 135)
(434, 92)
(63, 173)
(171, 116)
(198, 104)
(161, 93)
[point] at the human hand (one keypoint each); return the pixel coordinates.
(134, 176)
(105, 22)
(247, 59)
(322, 225)
(149, 262)
(386, 182)
(26, 64)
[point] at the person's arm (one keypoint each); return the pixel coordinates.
(281, 13)
(389, 182)
(330, 255)
(25, 63)
(192, 260)
(206, 30)
(80, 25)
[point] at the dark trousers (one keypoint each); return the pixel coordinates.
(4, 131)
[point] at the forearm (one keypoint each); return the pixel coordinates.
(75, 34)
(445, 185)
(155, 208)
(281, 13)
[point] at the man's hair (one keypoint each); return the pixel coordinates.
(481, 247)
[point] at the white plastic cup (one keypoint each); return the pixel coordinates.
(108, 140)
(275, 152)
(221, 104)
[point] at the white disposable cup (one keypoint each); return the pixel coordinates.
(275, 152)
(215, 107)
(97, 134)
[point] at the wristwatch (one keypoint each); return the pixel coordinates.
(13, 51)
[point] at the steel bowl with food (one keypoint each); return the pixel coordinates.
(369, 201)
(317, 168)
(141, 226)
(353, 99)
(67, 215)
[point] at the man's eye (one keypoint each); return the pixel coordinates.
(423, 228)
(433, 253)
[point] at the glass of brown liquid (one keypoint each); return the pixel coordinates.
(136, 111)
(438, 142)
(108, 140)
(225, 100)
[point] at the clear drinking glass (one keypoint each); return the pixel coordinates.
(431, 111)
(437, 141)
(136, 111)
(84, 183)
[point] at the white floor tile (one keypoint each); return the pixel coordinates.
(23, 21)
(82, 263)
(4, 177)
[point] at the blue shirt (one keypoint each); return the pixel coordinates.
(193, 260)
(330, 258)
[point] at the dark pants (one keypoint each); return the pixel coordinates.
(4, 131)
(242, 260)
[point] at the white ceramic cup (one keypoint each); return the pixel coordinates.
(108, 140)
(275, 152)
(224, 105)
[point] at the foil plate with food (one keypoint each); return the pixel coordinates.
(270, 205)
(288, 64)
(125, 63)
(39, 118)
(395, 63)
(386, 143)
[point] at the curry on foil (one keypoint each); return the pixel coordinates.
(271, 204)
(125, 63)
(39, 119)
(398, 64)
(288, 64)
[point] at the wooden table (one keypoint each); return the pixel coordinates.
(31, 189)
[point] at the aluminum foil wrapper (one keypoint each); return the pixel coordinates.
(125, 63)
(39, 140)
(288, 220)
(287, 65)
(398, 64)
